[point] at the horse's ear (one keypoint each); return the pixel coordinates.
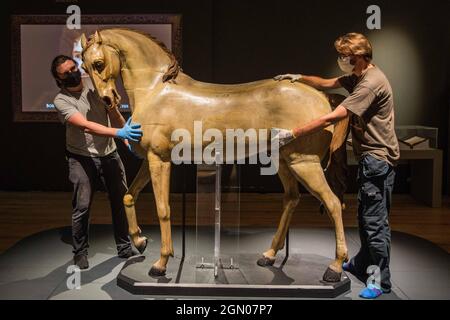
(83, 41)
(97, 37)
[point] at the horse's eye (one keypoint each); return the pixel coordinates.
(99, 66)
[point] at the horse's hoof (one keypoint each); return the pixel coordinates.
(155, 272)
(331, 275)
(265, 262)
(141, 248)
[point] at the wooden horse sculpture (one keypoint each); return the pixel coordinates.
(163, 98)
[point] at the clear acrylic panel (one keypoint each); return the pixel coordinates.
(217, 220)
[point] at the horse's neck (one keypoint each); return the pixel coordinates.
(141, 75)
(135, 80)
(143, 62)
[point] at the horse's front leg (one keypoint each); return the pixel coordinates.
(129, 200)
(160, 175)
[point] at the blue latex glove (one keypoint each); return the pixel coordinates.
(130, 131)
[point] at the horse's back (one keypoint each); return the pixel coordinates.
(286, 105)
(267, 103)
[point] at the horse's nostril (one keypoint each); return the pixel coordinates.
(107, 101)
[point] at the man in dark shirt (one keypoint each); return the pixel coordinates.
(371, 108)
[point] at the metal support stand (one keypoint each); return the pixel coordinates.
(183, 218)
(217, 211)
(287, 244)
(209, 182)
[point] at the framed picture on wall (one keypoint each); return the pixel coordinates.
(37, 39)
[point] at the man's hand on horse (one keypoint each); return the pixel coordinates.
(283, 136)
(288, 76)
(130, 131)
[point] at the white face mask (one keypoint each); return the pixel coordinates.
(345, 65)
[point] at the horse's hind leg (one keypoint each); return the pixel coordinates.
(160, 174)
(312, 177)
(130, 198)
(290, 201)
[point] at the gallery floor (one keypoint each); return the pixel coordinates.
(36, 252)
(36, 267)
(26, 213)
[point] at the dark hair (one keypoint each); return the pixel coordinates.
(57, 61)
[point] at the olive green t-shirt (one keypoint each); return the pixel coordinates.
(89, 104)
(371, 103)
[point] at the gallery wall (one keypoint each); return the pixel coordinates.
(239, 41)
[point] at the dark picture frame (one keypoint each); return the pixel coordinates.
(19, 115)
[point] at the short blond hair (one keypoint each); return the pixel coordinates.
(354, 44)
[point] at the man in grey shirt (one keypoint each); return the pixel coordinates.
(371, 108)
(92, 154)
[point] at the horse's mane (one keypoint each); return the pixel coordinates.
(174, 67)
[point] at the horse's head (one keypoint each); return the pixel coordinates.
(102, 62)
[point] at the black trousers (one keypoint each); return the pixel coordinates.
(375, 181)
(85, 173)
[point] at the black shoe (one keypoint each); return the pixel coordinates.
(128, 254)
(386, 290)
(81, 261)
(351, 268)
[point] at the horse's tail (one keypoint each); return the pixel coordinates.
(336, 169)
